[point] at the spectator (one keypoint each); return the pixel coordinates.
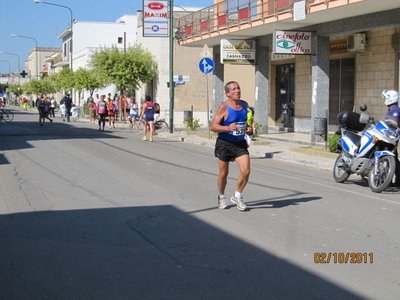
(47, 109)
(102, 112)
(92, 110)
(52, 106)
(111, 113)
(68, 106)
(133, 112)
(62, 109)
(97, 99)
(40, 107)
(25, 103)
(74, 112)
(126, 108)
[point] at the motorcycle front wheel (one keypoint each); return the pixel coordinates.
(386, 168)
(339, 174)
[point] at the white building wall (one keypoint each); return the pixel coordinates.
(105, 34)
(91, 36)
(159, 48)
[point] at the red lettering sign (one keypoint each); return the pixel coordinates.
(155, 5)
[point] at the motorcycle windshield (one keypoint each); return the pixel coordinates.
(390, 121)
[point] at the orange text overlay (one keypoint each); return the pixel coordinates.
(343, 257)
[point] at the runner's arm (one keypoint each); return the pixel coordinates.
(220, 115)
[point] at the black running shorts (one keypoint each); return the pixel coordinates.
(228, 151)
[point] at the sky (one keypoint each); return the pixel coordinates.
(45, 22)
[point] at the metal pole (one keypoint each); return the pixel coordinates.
(37, 57)
(9, 66)
(72, 19)
(171, 66)
(19, 75)
(70, 43)
(208, 109)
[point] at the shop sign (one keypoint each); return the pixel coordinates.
(292, 42)
(338, 47)
(238, 51)
(155, 18)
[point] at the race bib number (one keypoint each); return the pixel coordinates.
(241, 130)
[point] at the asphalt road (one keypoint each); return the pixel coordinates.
(103, 215)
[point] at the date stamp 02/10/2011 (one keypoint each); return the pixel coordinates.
(343, 257)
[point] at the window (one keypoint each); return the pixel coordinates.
(120, 39)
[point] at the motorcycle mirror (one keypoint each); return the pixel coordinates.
(363, 107)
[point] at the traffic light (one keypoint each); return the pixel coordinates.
(23, 74)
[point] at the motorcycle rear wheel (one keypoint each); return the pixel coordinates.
(386, 170)
(339, 174)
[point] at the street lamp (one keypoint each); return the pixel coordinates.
(19, 75)
(37, 50)
(9, 66)
(70, 10)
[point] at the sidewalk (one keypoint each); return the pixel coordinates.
(290, 147)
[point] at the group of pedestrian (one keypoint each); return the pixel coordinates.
(65, 107)
(43, 105)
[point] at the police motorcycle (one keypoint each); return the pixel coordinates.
(368, 152)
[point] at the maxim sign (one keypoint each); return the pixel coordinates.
(292, 42)
(155, 18)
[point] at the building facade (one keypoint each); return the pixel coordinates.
(354, 56)
(190, 90)
(88, 37)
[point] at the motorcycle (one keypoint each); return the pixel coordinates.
(368, 152)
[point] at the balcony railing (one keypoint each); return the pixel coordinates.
(235, 14)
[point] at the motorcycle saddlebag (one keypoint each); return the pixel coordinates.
(350, 120)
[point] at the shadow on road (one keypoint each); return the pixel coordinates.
(155, 252)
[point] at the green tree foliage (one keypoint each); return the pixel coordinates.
(44, 85)
(127, 70)
(15, 88)
(64, 80)
(88, 80)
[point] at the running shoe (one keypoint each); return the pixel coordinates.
(222, 202)
(151, 139)
(144, 138)
(239, 203)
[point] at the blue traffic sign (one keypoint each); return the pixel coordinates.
(206, 65)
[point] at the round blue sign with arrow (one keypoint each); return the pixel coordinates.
(206, 65)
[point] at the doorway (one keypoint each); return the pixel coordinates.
(284, 101)
(341, 87)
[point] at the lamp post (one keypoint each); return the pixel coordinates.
(9, 66)
(19, 75)
(171, 66)
(37, 55)
(70, 10)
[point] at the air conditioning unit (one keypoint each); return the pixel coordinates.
(356, 42)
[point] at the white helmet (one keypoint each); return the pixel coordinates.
(390, 96)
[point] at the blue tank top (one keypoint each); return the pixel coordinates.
(240, 118)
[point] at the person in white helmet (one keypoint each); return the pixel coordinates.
(392, 102)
